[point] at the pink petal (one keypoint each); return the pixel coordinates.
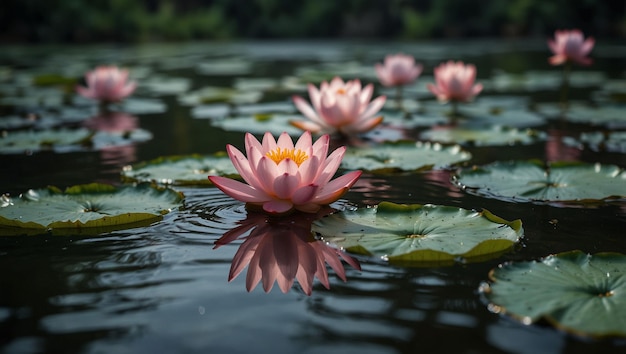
(266, 172)
(284, 141)
(304, 194)
(307, 126)
(285, 185)
(374, 107)
(277, 206)
(336, 188)
(238, 190)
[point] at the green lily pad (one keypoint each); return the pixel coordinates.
(94, 205)
(214, 94)
(600, 141)
(19, 142)
(560, 182)
(491, 136)
(260, 123)
(574, 291)
(420, 234)
(181, 170)
(403, 156)
(611, 116)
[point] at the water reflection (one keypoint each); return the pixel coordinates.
(120, 126)
(281, 250)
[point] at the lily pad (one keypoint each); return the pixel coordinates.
(611, 116)
(403, 156)
(531, 181)
(420, 234)
(260, 123)
(214, 94)
(181, 170)
(19, 142)
(574, 291)
(98, 206)
(600, 141)
(491, 136)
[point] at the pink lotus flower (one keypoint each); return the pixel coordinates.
(107, 84)
(398, 70)
(570, 46)
(282, 177)
(455, 82)
(282, 250)
(338, 106)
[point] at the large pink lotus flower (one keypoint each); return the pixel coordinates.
(398, 69)
(455, 82)
(340, 107)
(282, 176)
(107, 84)
(282, 250)
(570, 46)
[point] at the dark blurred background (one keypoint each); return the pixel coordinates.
(174, 20)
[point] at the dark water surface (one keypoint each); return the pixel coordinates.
(163, 288)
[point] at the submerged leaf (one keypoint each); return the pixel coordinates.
(580, 293)
(420, 234)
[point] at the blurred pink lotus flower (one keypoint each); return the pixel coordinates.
(398, 69)
(340, 107)
(570, 46)
(282, 250)
(282, 176)
(107, 84)
(455, 82)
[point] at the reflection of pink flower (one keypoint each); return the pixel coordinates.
(282, 250)
(338, 106)
(570, 45)
(282, 176)
(399, 69)
(455, 82)
(112, 122)
(108, 84)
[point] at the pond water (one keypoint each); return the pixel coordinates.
(164, 288)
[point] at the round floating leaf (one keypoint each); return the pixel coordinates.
(97, 206)
(491, 136)
(562, 182)
(19, 142)
(403, 157)
(611, 116)
(181, 170)
(213, 94)
(420, 234)
(577, 292)
(261, 123)
(600, 141)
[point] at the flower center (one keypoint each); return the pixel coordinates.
(341, 91)
(298, 156)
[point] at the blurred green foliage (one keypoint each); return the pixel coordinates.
(150, 20)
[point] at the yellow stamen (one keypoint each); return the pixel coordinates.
(278, 154)
(341, 91)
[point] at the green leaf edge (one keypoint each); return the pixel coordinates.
(174, 158)
(423, 168)
(561, 164)
(573, 255)
(435, 258)
(116, 222)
